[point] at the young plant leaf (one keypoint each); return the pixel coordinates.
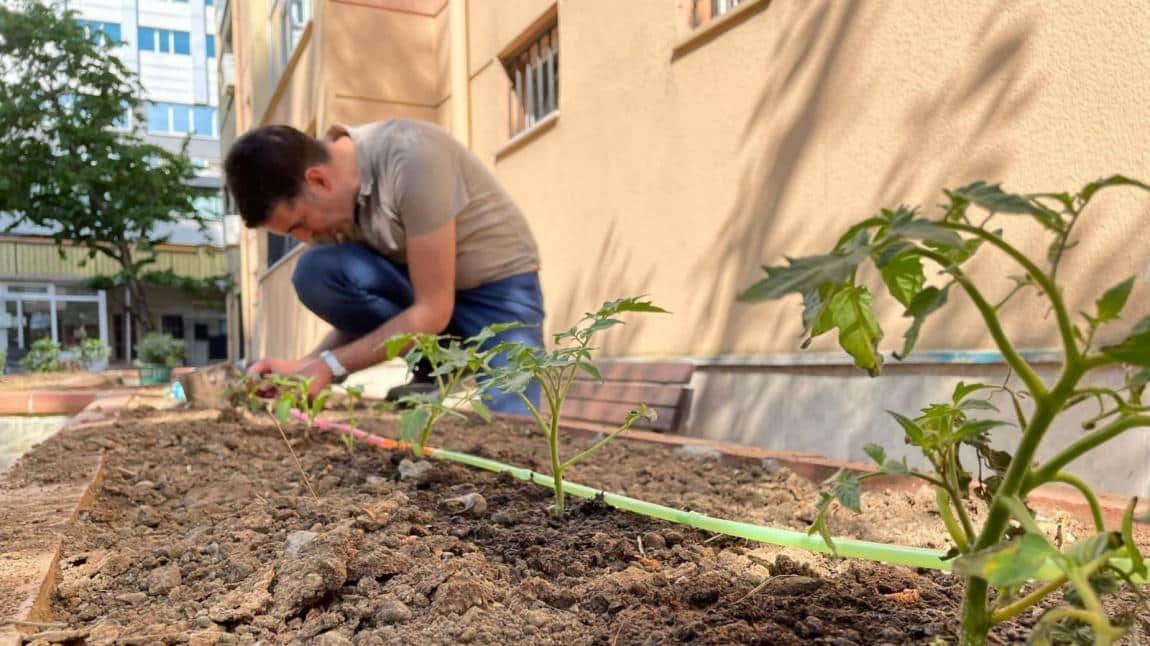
(928, 231)
(283, 407)
(481, 409)
(1135, 350)
(1111, 304)
(904, 277)
(1090, 189)
(859, 332)
(875, 452)
(914, 433)
(802, 275)
(963, 389)
(846, 491)
(978, 404)
(820, 525)
(925, 303)
(394, 346)
(977, 427)
(411, 423)
(1093, 547)
(992, 198)
(1021, 560)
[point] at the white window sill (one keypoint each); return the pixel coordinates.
(527, 136)
(714, 27)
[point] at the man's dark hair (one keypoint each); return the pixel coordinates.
(266, 166)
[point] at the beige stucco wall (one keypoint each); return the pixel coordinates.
(680, 177)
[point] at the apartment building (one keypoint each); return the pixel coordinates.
(671, 147)
(171, 45)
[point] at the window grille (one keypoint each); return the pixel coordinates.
(704, 10)
(534, 75)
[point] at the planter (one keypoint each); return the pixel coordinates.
(98, 365)
(155, 375)
(501, 573)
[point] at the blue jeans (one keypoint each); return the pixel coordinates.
(356, 290)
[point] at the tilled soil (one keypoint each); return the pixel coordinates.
(202, 532)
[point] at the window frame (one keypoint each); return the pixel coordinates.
(544, 65)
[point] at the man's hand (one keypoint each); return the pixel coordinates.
(314, 369)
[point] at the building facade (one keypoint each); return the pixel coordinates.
(684, 143)
(171, 45)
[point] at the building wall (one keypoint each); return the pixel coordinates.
(682, 160)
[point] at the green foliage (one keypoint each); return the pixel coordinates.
(1009, 551)
(159, 349)
(453, 363)
(3, 362)
(43, 356)
(71, 166)
(556, 371)
(90, 352)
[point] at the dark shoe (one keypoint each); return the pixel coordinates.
(413, 387)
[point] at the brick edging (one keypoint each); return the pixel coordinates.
(44, 568)
(46, 402)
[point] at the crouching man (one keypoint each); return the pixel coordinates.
(407, 232)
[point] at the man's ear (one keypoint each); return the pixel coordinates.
(318, 178)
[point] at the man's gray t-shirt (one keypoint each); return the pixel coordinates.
(414, 177)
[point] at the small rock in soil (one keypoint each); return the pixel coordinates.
(537, 618)
(320, 568)
(472, 504)
(770, 466)
(297, 540)
(700, 451)
(462, 592)
(332, 638)
(793, 585)
(418, 472)
(672, 536)
(148, 517)
(163, 579)
(57, 636)
(654, 541)
(393, 611)
(132, 598)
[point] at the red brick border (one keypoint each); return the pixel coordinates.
(45, 402)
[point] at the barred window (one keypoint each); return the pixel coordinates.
(534, 74)
(704, 10)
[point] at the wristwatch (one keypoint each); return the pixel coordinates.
(338, 372)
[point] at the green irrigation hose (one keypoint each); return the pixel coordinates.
(884, 553)
(892, 554)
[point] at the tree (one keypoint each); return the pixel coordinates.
(71, 163)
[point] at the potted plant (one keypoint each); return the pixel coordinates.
(157, 354)
(93, 355)
(43, 356)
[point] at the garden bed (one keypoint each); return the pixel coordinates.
(202, 532)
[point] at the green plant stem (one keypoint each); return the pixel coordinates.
(956, 496)
(1019, 365)
(960, 537)
(1046, 283)
(1104, 633)
(556, 466)
(598, 445)
(1032, 598)
(1084, 489)
(1083, 445)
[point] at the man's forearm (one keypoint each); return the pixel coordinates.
(332, 340)
(365, 351)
